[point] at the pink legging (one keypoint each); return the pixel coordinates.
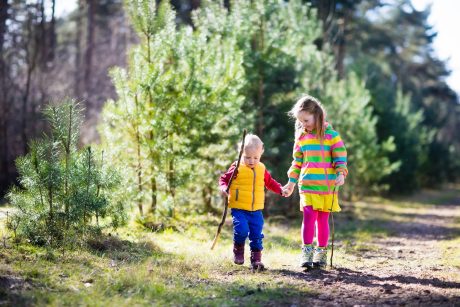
(311, 216)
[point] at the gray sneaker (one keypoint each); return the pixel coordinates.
(306, 259)
(320, 257)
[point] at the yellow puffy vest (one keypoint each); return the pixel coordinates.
(247, 190)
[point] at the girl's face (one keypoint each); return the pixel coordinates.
(251, 156)
(307, 120)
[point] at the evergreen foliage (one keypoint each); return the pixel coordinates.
(181, 103)
(352, 115)
(188, 92)
(178, 110)
(282, 62)
(64, 192)
(393, 52)
(412, 139)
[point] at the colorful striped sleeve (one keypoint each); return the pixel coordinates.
(294, 170)
(339, 154)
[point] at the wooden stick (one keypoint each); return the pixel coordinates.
(224, 215)
(332, 228)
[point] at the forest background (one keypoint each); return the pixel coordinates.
(167, 89)
(117, 119)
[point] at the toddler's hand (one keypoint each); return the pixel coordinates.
(287, 189)
(284, 193)
(340, 180)
(224, 193)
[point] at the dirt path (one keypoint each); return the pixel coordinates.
(388, 253)
(418, 264)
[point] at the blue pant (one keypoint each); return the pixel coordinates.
(248, 223)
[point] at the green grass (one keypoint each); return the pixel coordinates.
(168, 268)
(135, 266)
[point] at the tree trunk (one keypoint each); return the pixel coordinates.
(40, 92)
(89, 51)
(43, 36)
(77, 82)
(340, 46)
(139, 159)
(326, 12)
(52, 33)
(31, 61)
(153, 186)
(172, 178)
(51, 156)
(334, 30)
(153, 182)
(88, 184)
(3, 18)
(68, 161)
(98, 187)
(195, 4)
(4, 105)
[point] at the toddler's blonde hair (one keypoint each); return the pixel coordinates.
(253, 141)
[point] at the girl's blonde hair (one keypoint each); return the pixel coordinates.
(310, 105)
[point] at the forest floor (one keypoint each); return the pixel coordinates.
(387, 252)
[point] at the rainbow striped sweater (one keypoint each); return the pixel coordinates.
(315, 166)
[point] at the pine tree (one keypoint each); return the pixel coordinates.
(412, 141)
(393, 51)
(281, 62)
(62, 188)
(178, 97)
(350, 111)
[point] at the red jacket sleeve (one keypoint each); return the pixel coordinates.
(225, 178)
(271, 183)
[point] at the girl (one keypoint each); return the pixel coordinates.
(319, 166)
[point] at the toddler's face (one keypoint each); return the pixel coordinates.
(307, 120)
(251, 156)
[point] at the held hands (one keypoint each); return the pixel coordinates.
(287, 190)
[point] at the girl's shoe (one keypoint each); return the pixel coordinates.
(256, 260)
(320, 257)
(306, 259)
(238, 253)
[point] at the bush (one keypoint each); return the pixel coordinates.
(64, 193)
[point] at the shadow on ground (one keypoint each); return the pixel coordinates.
(374, 289)
(124, 250)
(11, 288)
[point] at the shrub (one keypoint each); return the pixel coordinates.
(64, 193)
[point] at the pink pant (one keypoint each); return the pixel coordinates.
(311, 216)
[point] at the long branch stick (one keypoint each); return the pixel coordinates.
(332, 229)
(224, 214)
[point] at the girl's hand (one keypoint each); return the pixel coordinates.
(288, 189)
(340, 180)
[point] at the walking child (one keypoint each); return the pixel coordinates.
(246, 200)
(319, 167)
